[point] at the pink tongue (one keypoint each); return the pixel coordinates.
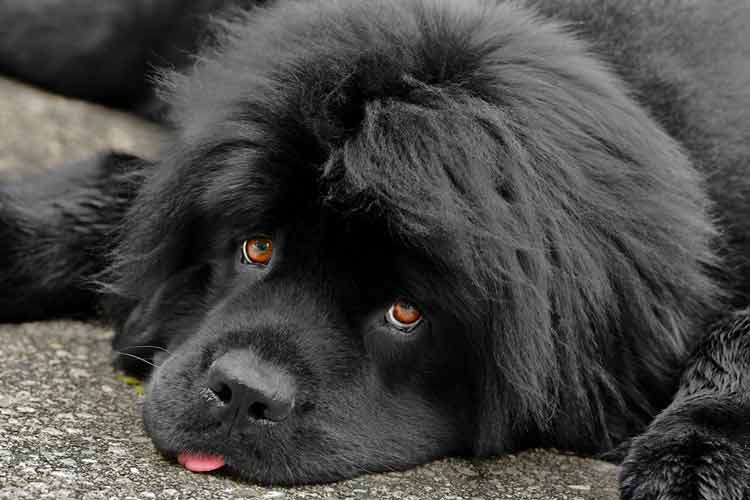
(196, 462)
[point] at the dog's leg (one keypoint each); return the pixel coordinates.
(56, 230)
(102, 51)
(699, 447)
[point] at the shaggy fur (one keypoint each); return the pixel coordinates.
(536, 178)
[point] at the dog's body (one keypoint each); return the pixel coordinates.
(394, 230)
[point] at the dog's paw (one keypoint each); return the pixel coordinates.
(696, 450)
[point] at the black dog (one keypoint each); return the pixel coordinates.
(394, 230)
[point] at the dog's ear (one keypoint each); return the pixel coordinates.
(144, 328)
(56, 226)
(153, 279)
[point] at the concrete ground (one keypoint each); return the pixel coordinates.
(70, 426)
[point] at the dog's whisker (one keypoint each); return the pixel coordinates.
(137, 357)
(157, 347)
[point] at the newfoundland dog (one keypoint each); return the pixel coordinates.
(393, 230)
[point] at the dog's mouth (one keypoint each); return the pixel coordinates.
(200, 462)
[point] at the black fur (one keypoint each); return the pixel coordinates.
(561, 187)
(698, 447)
(103, 51)
(56, 232)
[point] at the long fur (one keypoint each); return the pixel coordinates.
(563, 184)
(560, 212)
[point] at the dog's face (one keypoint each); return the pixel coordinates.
(394, 230)
(305, 347)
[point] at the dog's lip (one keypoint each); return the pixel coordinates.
(200, 462)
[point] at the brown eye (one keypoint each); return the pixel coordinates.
(403, 315)
(258, 250)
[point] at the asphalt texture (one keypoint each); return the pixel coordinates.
(70, 425)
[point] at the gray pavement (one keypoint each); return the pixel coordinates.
(70, 426)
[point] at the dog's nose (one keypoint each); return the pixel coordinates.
(249, 389)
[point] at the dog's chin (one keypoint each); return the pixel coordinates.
(251, 456)
(179, 425)
(264, 455)
(352, 427)
(278, 454)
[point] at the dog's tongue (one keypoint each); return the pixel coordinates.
(199, 462)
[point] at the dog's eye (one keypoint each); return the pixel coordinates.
(257, 250)
(403, 315)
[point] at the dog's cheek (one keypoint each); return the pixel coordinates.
(394, 358)
(408, 393)
(396, 355)
(393, 427)
(172, 406)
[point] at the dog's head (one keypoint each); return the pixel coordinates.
(395, 230)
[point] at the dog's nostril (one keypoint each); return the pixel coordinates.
(257, 411)
(249, 389)
(223, 392)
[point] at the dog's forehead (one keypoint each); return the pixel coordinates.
(367, 121)
(427, 145)
(248, 184)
